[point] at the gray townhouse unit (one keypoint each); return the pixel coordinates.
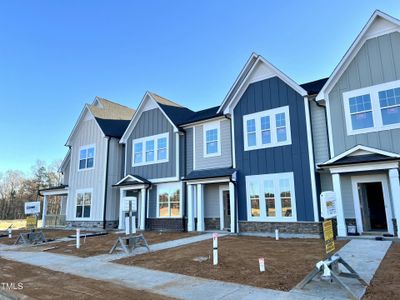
(258, 161)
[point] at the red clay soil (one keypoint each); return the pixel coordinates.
(287, 261)
(98, 245)
(48, 233)
(386, 282)
(40, 283)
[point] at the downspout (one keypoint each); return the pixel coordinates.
(105, 184)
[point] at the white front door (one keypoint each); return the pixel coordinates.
(372, 204)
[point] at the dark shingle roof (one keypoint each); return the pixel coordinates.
(358, 159)
(129, 181)
(211, 173)
(204, 114)
(177, 114)
(314, 87)
(113, 128)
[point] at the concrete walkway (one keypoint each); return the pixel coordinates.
(364, 256)
(163, 283)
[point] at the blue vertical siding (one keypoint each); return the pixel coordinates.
(263, 95)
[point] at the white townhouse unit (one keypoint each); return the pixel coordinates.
(94, 161)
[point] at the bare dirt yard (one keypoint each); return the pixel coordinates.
(40, 283)
(287, 261)
(98, 245)
(386, 282)
(50, 234)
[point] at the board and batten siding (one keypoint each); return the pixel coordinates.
(87, 133)
(153, 122)
(378, 61)
(263, 95)
(222, 161)
(66, 171)
(319, 133)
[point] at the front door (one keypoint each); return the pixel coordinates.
(372, 206)
(227, 210)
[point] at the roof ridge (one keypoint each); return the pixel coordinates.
(163, 99)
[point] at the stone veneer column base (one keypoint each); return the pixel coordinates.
(314, 228)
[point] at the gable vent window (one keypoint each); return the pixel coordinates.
(373, 108)
(150, 150)
(269, 128)
(86, 157)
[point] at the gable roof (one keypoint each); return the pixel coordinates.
(378, 24)
(360, 154)
(174, 112)
(267, 71)
(132, 180)
(112, 118)
(315, 86)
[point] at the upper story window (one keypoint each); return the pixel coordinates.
(373, 108)
(271, 197)
(86, 157)
(212, 139)
(269, 128)
(150, 150)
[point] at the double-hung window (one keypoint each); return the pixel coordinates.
(374, 108)
(269, 128)
(150, 150)
(86, 157)
(169, 200)
(212, 139)
(270, 197)
(83, 203)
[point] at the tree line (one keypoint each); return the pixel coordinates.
(16, 188)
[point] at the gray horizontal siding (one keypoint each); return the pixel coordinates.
(319, 133)
(189, 150)
(153, 122)
(378, 61)
(222, 161)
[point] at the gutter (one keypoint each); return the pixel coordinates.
(106, 183)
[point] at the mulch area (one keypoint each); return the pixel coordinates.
(386, 282)
(40, 283)
(98, 245)
(287, 261)
(48, 233)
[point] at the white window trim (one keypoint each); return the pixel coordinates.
(94, 157)
(210, 126)
(278, 203)
(271, 113)
(173, 185)
(376, 108)
(80, 191)
(143, 141)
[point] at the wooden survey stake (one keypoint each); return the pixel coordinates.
(328, 236)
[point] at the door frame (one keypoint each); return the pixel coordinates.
(382, 178)
(222, 189)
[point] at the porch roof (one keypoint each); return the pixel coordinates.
(61, 189)
(131, 179)
(358, 159)
(210, 173)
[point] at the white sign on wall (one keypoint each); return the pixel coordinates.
(32, 208)
(134, 203)
(127, 225)
(328, 205)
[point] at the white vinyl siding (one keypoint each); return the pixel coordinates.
(150, 150)
(265, 129)
(271, 197)
(374, 108)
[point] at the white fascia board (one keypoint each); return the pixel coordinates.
(364, 167)
(65, 160)
(353, 50)
(129, 177)
(85, 108)
(147, 96)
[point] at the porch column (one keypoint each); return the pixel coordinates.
(232, 203)
(121, 224)
(190, 208)
(142, 209)
(200, 208)
(341, 224)
(44, 212)
(395, 191)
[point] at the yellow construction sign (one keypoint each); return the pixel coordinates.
(328, 236)
(31, 222)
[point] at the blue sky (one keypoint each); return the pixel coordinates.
(57, 55)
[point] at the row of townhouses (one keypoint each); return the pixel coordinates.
(255, 163)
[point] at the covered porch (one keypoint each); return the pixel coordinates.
(54, 206)
(211, 200)
(133, 189)
(367, 188)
